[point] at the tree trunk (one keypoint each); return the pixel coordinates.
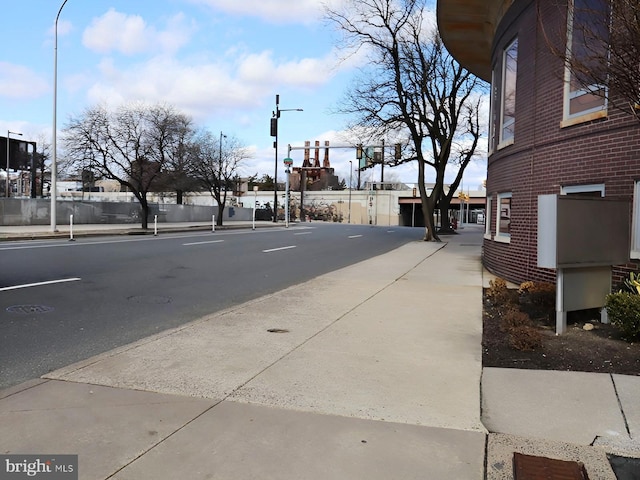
(427, 205)
(179, 194)
(429, 224)
(144, 205)
(220, 214)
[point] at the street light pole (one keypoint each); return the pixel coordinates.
(7, 180)
(274, 133)
(54, 145)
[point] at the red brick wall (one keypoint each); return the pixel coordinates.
(544, 156)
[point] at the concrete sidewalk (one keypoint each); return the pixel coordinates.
(373, 371)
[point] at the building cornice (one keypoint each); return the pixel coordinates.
(467, 28)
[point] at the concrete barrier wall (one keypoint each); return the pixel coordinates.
(37, 212)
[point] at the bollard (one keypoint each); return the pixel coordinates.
(71, 228)
(213, 223)
(155, 225)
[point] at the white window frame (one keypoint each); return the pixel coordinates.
(635, 222)
(487, 217)
(505, 141)
(583, 115)
(502, 236)
(574, 189)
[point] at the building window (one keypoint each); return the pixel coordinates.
(587, 40)
(503, 218)
(508, 100)
(487, 218)
(493, 109)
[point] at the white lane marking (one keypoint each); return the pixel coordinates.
(354, 236)
(202, 243)
(278, 249)
(143, 238)
(303, 233)
(28, 285)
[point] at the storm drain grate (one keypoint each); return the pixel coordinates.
(527, 467)
(29, 309)
(625, 468)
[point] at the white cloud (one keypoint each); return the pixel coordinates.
(20, 82)
(262, 69)
(130, 34)
(204, 89)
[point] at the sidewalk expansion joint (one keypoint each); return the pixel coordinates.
(624, 417)
(162, 440)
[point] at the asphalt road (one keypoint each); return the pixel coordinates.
(62, 301)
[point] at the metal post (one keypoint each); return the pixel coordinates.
(71, 228)
(155, 225)
(382, 166)
(286, 199)
(561, 313)
(255, 200)
(350, 188)
(274, 132)
(303, 182)
(213, 223)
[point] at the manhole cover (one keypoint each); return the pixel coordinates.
(278, 330)
(527, 467)
(149, 299)
(29, 309)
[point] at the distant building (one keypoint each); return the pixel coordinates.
(315, 177)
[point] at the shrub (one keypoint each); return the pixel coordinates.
(525, 338)
(542, 294)
(498, 293)
(538, 299)
(512, 318)
(623, 309)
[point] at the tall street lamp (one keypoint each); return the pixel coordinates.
(274, 133)
(8, 143)
(54, 145)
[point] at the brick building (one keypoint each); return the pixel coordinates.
(547, 135)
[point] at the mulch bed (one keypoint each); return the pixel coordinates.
(601, 350)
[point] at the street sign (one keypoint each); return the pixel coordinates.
(288, 162)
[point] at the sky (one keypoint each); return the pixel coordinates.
(221, 61)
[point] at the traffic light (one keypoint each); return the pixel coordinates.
(398, 151)
(274, 127)
(359, 151)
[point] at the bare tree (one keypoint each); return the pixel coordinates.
(411, 85)
(40, 158)
(173, 135)
(131, 145)
(215, 165)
